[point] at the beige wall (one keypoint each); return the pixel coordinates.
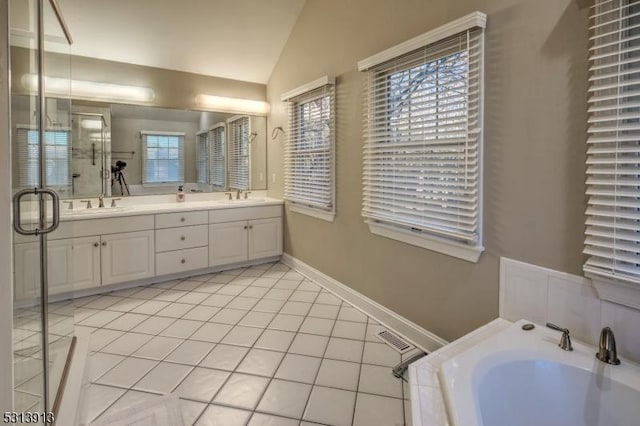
(535, 112)
(173, 89)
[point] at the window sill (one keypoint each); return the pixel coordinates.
(429, 242)
(310, 211)
(620, 292)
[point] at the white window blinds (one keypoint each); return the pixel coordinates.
(423, 130)
(238, 140)
(310, 149)
(57, 147)
(202, 157)
(612, 241)
(218, 156)
(162, 157)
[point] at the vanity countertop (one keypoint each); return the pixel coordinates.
(169, 207)
(153, 205)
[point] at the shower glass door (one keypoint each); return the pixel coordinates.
(41, 175)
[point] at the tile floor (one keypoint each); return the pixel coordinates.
(258, 346)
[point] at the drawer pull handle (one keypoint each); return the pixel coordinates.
(182, 219)
(104, 243)
(183, 238)
(183, 261)
(96, 244)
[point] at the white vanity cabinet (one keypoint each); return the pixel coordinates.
(127, 257)
(258, 236)
(182, 242)
(72, 264)
(87, 254)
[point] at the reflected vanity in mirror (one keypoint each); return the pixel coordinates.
(122, 150)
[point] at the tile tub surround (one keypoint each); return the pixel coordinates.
(427, 403)
(257, 345)
(543, 295)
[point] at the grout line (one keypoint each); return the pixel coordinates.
(233, 326)
(252, 346)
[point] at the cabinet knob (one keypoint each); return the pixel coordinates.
(183, 261)
(104, 243)
(182, 219)
(96, 244)
(183, 238)
(250, 226)
(245, 227)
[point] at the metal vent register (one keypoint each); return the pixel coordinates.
(394, 341)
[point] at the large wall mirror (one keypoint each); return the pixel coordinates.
(123, 150)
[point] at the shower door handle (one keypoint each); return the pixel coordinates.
(17, 223)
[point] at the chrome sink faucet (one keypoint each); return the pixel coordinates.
(238, 192)
(101, 201)
(608, 352)
(565, 340)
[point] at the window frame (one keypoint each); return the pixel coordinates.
(212, 162)
(323, 87)
(203, 137)
(401, 231)
(231, 153)
(28, 181)
(144, 134)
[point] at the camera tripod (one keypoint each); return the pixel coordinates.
(118, 176)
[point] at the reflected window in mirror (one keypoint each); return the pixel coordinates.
(162, 157)
(218, 157)
(239, 168)
(202, 158)
(57, 157)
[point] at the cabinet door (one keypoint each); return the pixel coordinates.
(227, 243)
(85, 263)
(265, 238)
(72, 264)
(127, 257)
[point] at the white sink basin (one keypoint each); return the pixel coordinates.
(243, 201)
(96, 211)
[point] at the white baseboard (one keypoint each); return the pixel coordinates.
(417, 335)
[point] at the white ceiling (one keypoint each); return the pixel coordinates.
(237, 39)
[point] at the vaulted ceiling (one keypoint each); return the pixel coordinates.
(237, 39)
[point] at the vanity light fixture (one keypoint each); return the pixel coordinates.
(91, 90)
(91, 124)
(232, 105)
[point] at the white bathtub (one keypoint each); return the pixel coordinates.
(522, 378)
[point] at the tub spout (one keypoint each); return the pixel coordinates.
(608, 352)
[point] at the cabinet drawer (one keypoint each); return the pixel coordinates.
(182, 260)
(233, 214)
(171, 220)
(182, 238)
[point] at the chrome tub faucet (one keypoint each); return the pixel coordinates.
(608, 352)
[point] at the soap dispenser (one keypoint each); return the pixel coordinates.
(180, 196)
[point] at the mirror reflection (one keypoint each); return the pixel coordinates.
(123, 150)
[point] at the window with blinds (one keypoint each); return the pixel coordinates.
(57, 146)
(310, 149)
(218, 156)
(162, 157)
(422, 155)
(202, 157)
(612, 242)
(238, 163)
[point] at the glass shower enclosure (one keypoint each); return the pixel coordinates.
(41, 149)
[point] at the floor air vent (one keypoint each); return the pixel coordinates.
(394, 341)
